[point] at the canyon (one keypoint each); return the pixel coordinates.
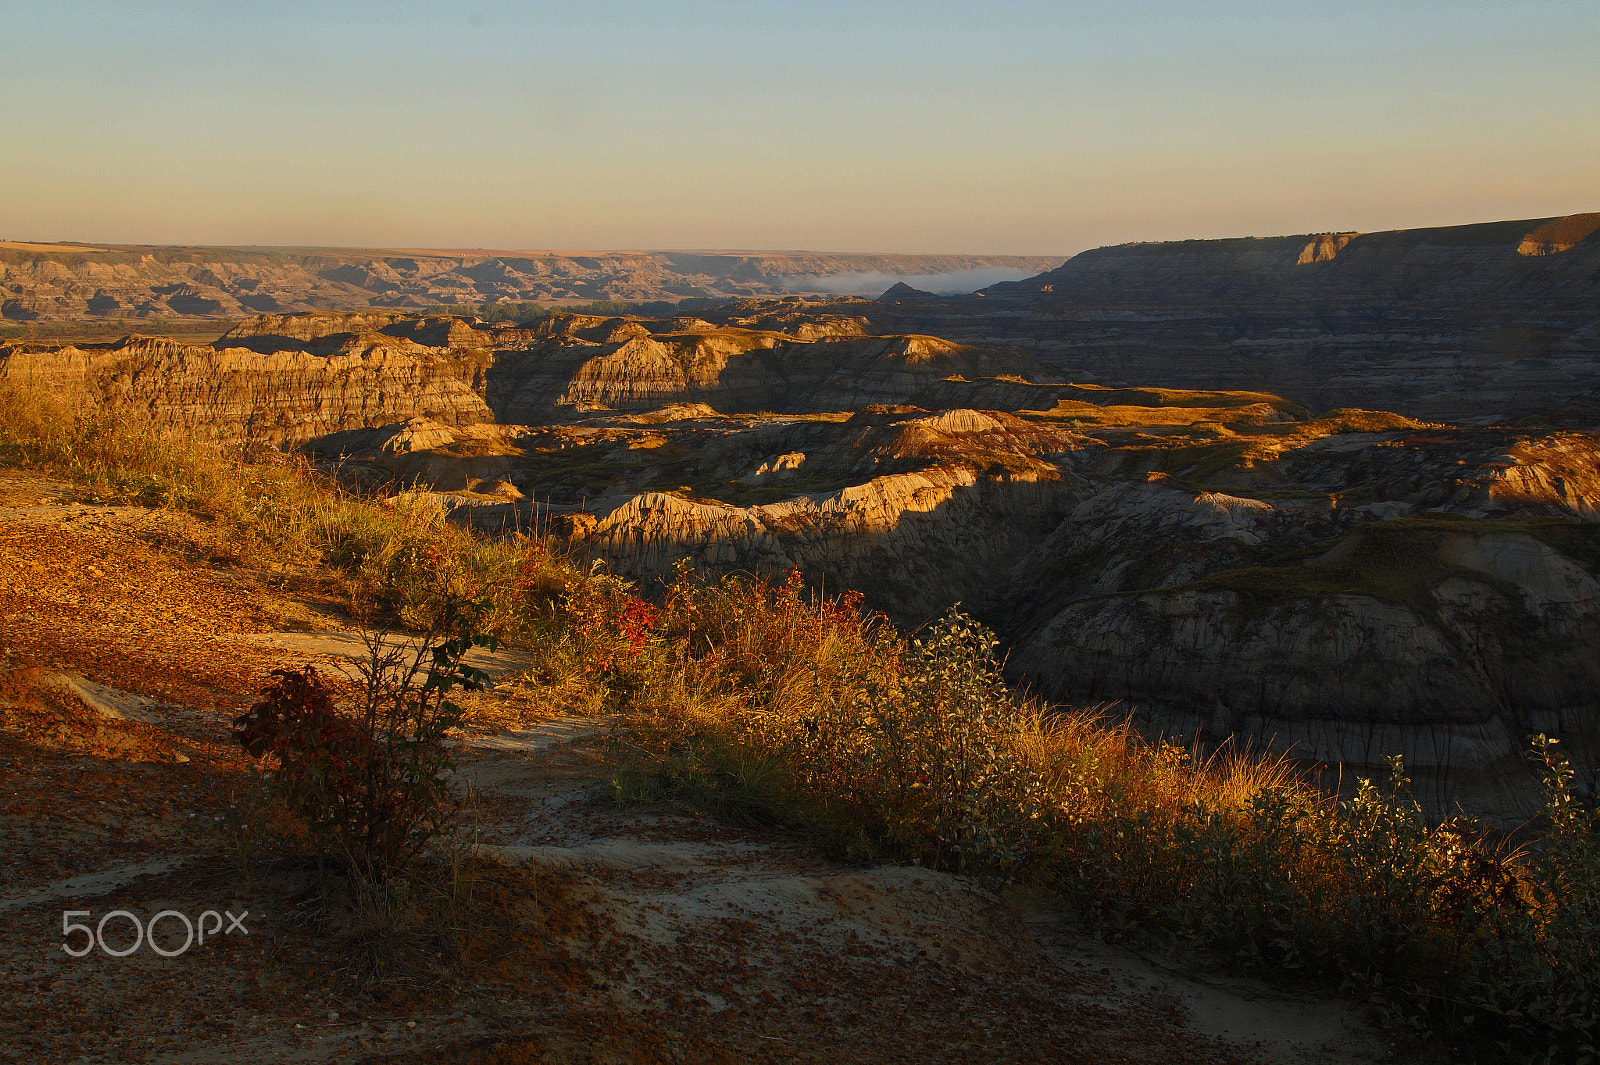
(1309, 494)
(77, 282)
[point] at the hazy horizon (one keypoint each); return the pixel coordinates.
(1013, 127)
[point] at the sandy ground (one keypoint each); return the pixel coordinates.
(606, 933)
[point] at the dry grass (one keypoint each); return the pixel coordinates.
(762, 704)
(770, 705)
(397, 560)
(911, 749)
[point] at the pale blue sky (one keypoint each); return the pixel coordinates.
(946, 125)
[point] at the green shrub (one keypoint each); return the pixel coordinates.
(920, 753)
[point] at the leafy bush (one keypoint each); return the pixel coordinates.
(921, 754)
(368, 783)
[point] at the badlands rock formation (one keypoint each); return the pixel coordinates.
(1407, 607)
(293, 377)
(1461, 322)
(1346, 587)
(64, 282)
(235, 393)
(1218, 563)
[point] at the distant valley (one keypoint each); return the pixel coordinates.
(1487, 321)
(63, 282)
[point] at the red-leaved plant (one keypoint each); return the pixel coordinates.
(369, 782)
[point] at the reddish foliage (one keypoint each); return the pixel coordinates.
(614, 626)
(296, 721)
(298, 702)
(634, 621)
(371, 790)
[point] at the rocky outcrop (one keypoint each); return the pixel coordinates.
(1324, 246)
(236, 393)
(913, 542)
(629, 367)
(1425, 594)
(55, 282)
(1559, 235)
(911, 507)
(1490, 638)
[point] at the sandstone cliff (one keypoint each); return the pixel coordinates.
(236, 393)
(293, 377)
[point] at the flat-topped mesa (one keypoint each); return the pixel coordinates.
(1488, 320)
(1446, 267)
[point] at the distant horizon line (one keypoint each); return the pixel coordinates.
(82, 246)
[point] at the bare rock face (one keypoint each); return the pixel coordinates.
(914, 542)
(1488, 639)
(1559, 234)
(582, 364)
(295, 377)
(301, 328)
(1324, 246)
(1435, 598)
(915, 509)
(235, 393)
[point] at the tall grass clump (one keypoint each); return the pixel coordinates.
(913, 748)
(262, 505)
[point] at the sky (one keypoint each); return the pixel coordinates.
(984, 127)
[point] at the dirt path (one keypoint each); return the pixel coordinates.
(606, 934)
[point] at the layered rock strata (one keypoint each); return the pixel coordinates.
(236, 393)
(293, 377)
(1460, 322)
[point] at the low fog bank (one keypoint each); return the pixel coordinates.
(873, 283)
